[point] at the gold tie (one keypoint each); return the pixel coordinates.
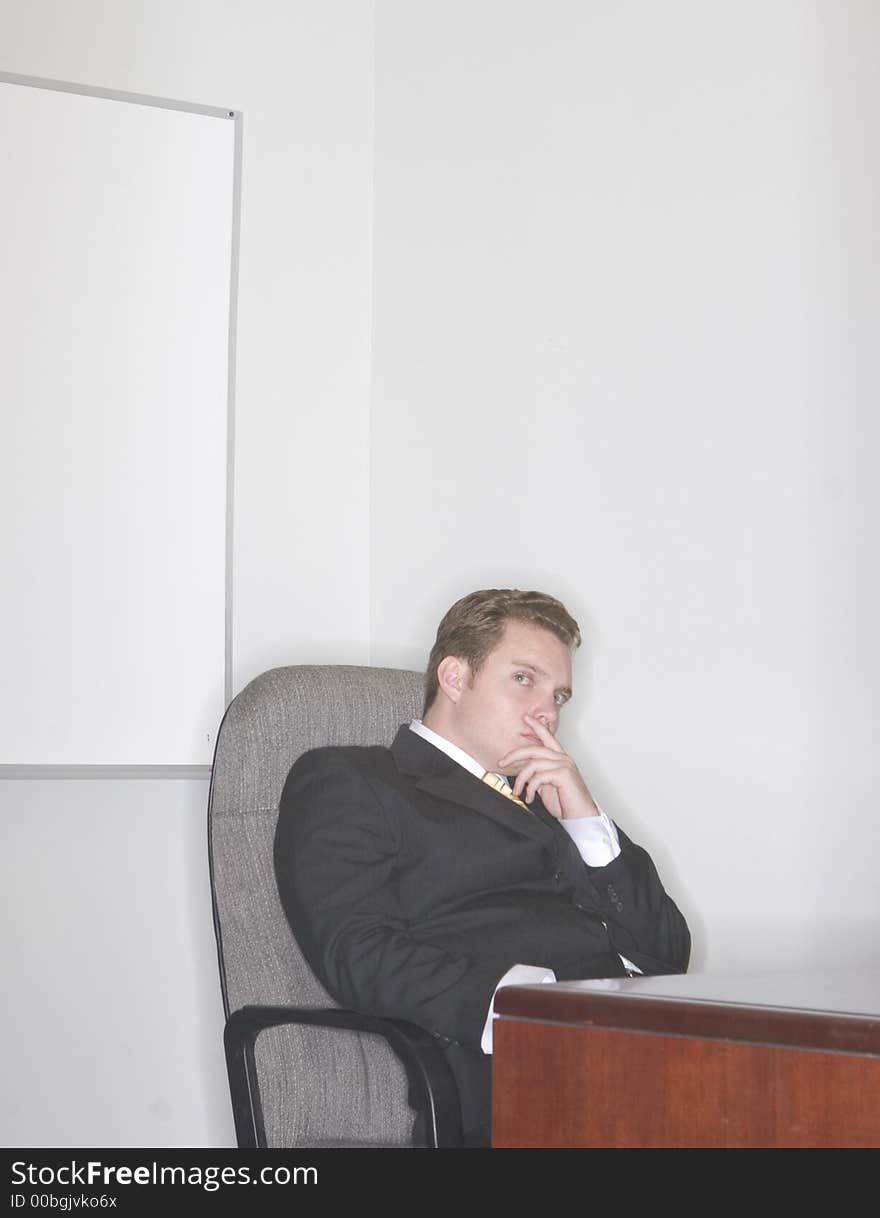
(503, 788)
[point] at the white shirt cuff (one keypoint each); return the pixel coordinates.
(595, 837)
(520, 974)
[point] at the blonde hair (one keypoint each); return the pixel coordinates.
(472, 628)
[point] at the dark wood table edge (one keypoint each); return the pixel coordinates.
(829, 1031)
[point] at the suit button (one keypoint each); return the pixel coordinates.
(557, 878)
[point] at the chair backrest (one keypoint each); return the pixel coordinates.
(319, 1087)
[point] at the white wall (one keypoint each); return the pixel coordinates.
(112, 1016)
(302, 74)
(117, 1036)
(625, 342)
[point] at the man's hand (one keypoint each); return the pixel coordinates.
(546, 769)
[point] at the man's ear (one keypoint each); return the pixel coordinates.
(453, 675)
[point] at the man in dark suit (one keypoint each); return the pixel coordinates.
(418, 880)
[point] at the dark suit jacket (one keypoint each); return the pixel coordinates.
(412, 887)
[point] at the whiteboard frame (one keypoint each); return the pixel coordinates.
(68, 771)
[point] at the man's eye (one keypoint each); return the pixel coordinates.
(522, 678)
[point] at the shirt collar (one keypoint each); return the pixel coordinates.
(446, 746)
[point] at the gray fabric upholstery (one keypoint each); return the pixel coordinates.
(319, 1087)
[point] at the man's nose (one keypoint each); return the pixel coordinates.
(547, 712)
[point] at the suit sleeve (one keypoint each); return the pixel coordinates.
(644, 923)
(336, 854)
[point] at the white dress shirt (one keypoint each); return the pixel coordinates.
(594, 836)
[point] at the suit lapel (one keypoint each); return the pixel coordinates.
(438, 775)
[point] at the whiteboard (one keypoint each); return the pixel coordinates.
(117, 229)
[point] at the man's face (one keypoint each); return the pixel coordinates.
(528, 673)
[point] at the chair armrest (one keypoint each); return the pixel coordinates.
(432, 1083)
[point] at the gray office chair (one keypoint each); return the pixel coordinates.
(303, 1072)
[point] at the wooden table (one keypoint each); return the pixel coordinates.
(774, 1059)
